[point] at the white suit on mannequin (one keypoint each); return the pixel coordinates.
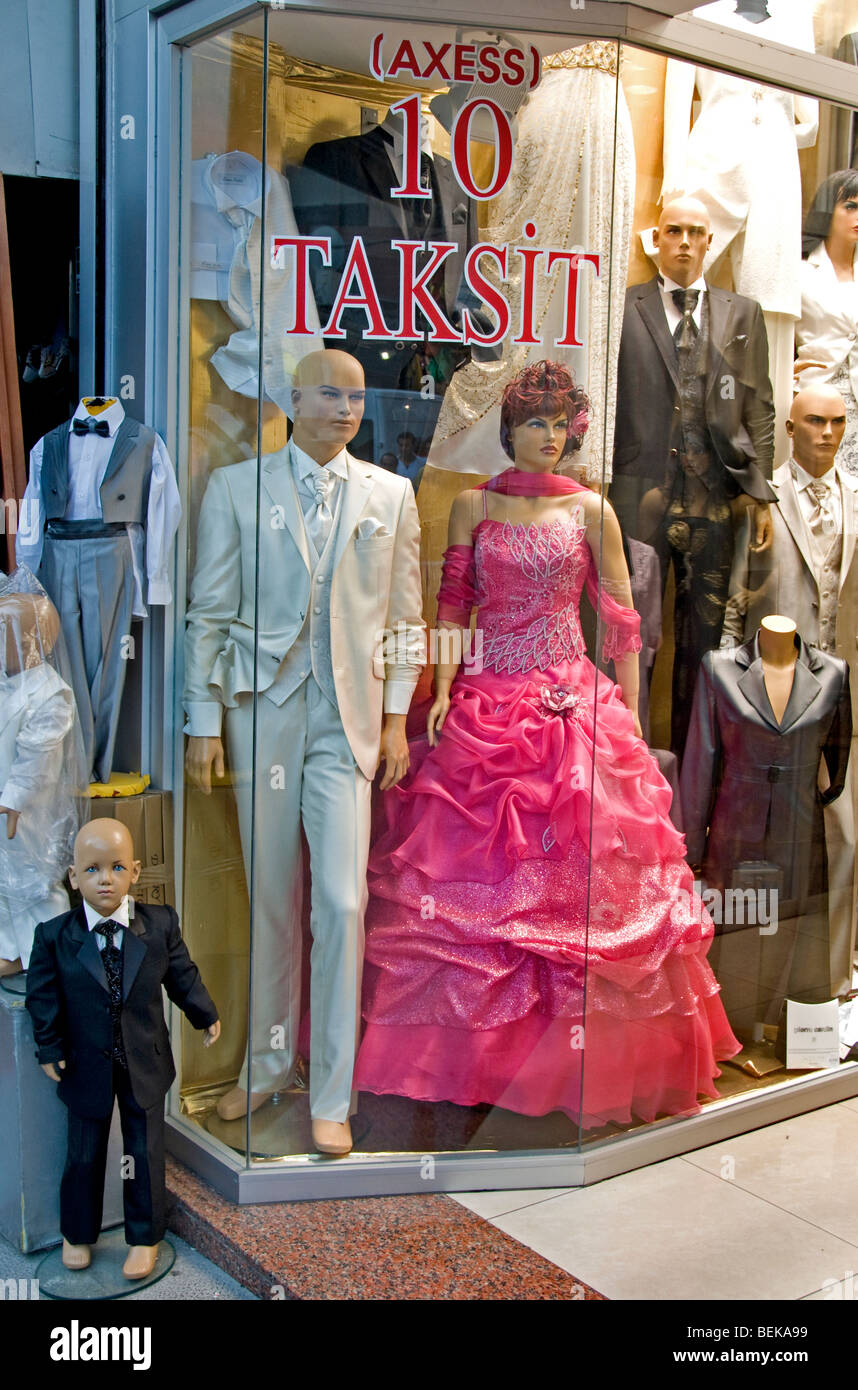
(740, 158)
(285, 632)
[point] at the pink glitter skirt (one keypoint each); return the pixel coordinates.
(533, 940)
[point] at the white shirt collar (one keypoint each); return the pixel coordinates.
(306, 467)
(235, 180)
(114, 415)
(803, 479)
(668, 285)
(122, 914)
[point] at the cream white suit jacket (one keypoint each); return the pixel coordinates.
(374, 594)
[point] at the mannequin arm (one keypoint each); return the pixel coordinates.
(459, 533)
(203, 755)
(606, 544)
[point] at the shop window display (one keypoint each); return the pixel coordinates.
(499, 942)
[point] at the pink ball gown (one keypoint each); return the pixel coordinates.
(533, 940)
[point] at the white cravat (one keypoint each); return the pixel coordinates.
(321, 518)
(319, 491)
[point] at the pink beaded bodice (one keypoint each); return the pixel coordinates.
(526, 579)
(529, 580)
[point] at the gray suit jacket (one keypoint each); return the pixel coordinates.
(783, 578)
(751, 782)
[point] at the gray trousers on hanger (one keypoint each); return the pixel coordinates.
(91, 583)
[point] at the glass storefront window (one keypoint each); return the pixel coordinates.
(490, 344)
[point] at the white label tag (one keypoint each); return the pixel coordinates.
(812, 1035)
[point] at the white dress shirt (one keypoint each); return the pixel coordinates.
(226, 242)
(122, 915)
(671, 312)
(88, 458)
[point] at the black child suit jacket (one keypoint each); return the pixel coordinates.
(739, 410)
(69, 1003)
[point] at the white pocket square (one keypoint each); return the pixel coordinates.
(370, 526)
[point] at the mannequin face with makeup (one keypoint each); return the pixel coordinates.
(683, 237)
(538, 443)
(815, 426)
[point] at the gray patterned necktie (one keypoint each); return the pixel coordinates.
(685, 332)
(821, 520)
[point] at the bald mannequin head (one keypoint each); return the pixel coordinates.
(683, 237)
(327, 402)
(104, 866)
(815, 426)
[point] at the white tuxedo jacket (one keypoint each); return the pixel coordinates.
(374, 593)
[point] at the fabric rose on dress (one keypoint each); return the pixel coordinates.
(559, 699)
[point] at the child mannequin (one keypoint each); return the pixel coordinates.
(99, 1047)
(41, 767)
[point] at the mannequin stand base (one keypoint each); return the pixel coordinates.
(103, 1278)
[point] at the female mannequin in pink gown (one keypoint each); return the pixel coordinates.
(533, 939)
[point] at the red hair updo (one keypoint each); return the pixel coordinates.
(545, 388)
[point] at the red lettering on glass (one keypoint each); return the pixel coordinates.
(357, 268)
(461, 152)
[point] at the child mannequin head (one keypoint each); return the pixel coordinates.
(104, 867)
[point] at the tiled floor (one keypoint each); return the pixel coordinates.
(767, 1215)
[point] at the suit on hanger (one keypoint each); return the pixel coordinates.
(100, 512)
(68, 1000)
(343, 191)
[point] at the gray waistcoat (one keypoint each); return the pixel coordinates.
(124, 488)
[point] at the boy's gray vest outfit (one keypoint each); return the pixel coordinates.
(87, 569)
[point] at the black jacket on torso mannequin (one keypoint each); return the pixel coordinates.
(343, 191)
(752, 781)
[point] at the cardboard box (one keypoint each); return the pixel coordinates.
(149, 818)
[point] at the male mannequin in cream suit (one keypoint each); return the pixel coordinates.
(810, 574)
(338, 566)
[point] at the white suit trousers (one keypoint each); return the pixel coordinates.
(305, 774)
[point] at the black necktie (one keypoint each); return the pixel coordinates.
(685, 332)
(91, 427)
(111, 958)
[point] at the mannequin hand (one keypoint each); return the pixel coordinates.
(200, 754)
(393, 751)
(436, 716)
(50, 1069)
(212, 1033)
(11, 821)
(763, 529)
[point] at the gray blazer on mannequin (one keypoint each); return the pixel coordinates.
(749, 784)
(784, 579)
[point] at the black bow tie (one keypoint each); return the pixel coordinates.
(91, 427)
